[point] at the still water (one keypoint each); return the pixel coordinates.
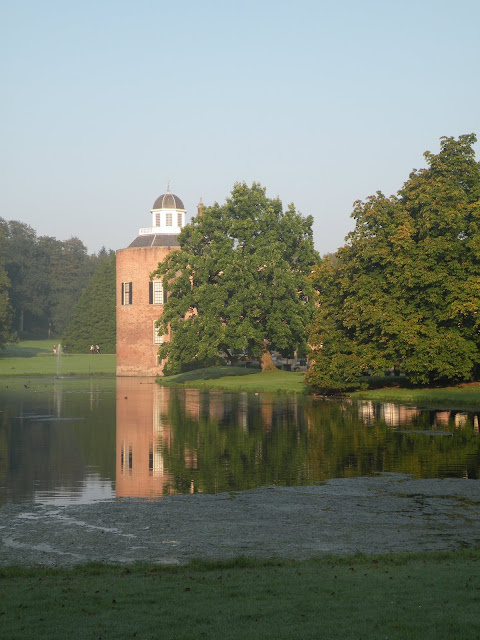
(87, 439)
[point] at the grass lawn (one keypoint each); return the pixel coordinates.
(36, 358)
(429, 596)
(462, 397)
(238, 379)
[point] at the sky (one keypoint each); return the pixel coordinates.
(322, 102)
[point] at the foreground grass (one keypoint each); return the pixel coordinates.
(36, 358)
(237, 379)
(429, 596)
(461, 397)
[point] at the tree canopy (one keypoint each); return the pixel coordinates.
(404, 292)
(239, 283)
(94, 316)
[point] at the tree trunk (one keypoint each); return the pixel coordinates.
(267, 362)
(229, 356)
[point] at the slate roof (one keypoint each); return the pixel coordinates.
(155, 240)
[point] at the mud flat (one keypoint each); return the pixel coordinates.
(383, 514)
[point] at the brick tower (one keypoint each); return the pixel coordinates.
(140, 300)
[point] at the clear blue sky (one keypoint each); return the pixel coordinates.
(322, 102)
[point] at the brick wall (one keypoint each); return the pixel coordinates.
(136, 352)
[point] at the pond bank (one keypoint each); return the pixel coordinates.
(235, 379)
(464, 396)
(377, 515)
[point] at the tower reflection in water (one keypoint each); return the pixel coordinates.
(140, 472)
(161, 432)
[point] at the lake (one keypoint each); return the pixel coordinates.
(81, 440)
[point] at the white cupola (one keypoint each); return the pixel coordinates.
(168, 215)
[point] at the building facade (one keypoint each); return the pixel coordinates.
(139, 299)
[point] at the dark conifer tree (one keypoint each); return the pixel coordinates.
(94, 316)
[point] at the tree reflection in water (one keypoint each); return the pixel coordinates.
(185, 441)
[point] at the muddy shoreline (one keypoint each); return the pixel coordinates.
(384, 514)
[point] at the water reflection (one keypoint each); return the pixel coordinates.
(185, 441)
(57, 440)
(93, 439)
(394, 415)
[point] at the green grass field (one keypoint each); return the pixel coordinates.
(238, 379)
(428, 596)
(36, 358)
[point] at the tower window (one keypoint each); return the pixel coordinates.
(179, 219)
(157, 219)
(126, 458)
(168, 219)
(156, 293)
(157, 339)
(127, 293)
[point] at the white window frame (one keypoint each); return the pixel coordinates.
(157, 339)
(127, 293)
(157, 294)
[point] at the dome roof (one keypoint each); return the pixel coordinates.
(168, 201)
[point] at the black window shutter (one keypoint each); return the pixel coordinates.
(131, 293)
(164, 296)
(150, 292)
(123, 293)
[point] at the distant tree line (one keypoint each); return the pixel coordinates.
(42, 280)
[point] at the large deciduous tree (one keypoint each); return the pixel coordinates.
(239, 282)
(404, 292)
